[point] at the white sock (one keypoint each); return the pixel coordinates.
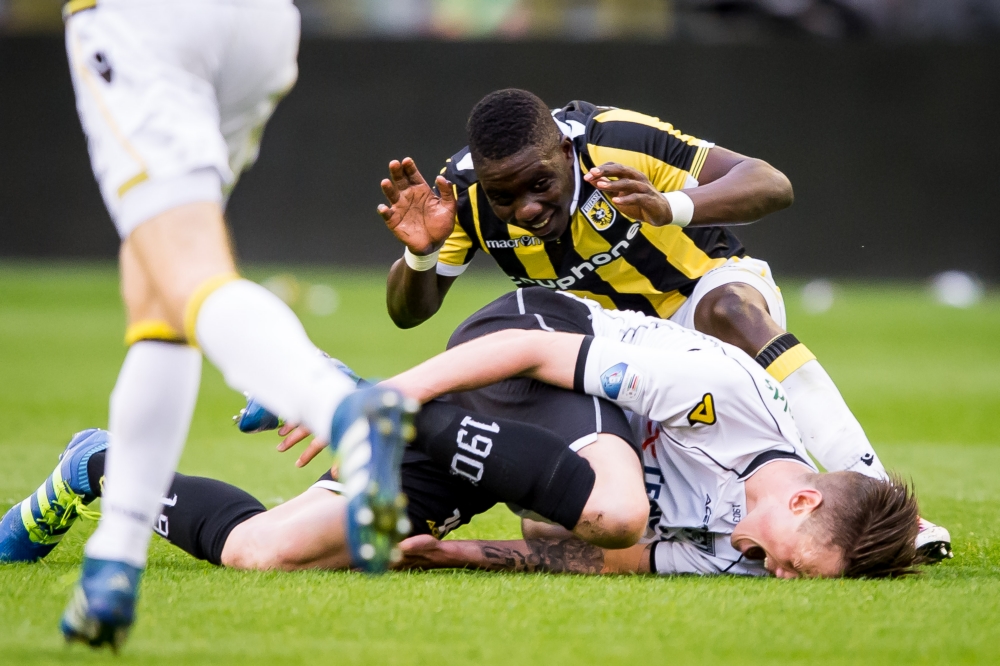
(260, 346)
(829, 430)
(151, 410)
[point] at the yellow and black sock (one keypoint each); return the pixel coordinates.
(784, 355)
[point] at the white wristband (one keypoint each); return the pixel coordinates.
(681, 206)
(420, 263)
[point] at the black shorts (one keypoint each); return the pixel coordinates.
(572, 416)
(439, 501)
(533, 309)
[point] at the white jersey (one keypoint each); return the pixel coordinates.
(708, 417)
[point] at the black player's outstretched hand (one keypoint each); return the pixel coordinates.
(631, 193)
(416, 215)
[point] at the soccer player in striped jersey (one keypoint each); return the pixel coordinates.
(623, 209)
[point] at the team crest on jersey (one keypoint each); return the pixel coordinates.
(703, 412)
(599, 212)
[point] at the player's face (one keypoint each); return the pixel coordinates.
(532, 189)
(788, 550)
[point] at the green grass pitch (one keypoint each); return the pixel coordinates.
(923, 379)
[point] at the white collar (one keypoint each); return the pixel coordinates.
(572, 129)
(576, 190)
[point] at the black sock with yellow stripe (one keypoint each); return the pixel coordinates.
(784, 355)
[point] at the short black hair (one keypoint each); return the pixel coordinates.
(506, 121)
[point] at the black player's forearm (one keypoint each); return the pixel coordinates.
(413, 297)
(750, 190)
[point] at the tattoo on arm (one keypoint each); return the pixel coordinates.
(543, 555)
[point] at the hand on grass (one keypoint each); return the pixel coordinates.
(424, 552)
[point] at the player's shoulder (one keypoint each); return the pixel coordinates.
(459, 171)
(612, 127)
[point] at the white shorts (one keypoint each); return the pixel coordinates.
(753, 272)
(173, 95)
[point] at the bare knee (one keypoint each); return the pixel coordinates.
(179, 250)
(737, 313)
(617, 510)
(535, 529)
(617, 523)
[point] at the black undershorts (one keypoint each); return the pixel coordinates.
(440, 502)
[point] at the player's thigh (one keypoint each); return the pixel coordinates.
(179, 250)
(438, 502)
(754, 273)
(305, 532)
(142, 302)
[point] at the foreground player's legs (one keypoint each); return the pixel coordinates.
(150, 412)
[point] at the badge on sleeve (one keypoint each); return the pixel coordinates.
(621, 382)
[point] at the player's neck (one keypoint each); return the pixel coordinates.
(774, 482)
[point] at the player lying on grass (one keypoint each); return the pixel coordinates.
(731, 489)
(622, 208)
(532, 462)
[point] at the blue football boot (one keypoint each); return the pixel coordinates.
(31, 529)
(371, 428)
(256, 418)
(102, 609)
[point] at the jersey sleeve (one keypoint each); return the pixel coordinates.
(702, 398)
(683, 557)
(462, 244)
(662, 385)
(457, 252)
(670, 159)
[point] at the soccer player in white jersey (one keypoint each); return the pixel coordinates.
(731, 486)
(173, 96)
(583, 199)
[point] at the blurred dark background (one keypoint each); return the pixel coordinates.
(882, 113)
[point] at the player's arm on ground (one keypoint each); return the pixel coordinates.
(550, 555)
(541, 355)
(422, 220)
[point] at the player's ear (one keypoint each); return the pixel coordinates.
(805, 501)
(566, 145)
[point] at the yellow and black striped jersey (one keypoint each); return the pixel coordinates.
(610, 257)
